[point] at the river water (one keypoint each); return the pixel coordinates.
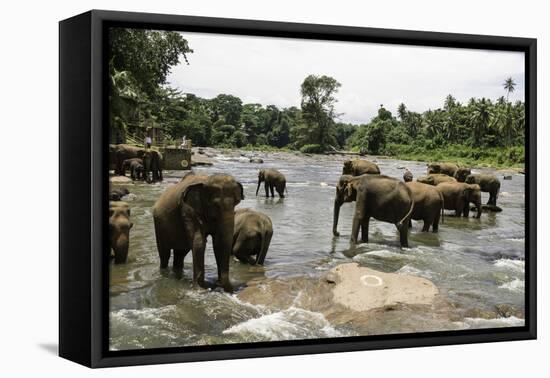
(476, 264)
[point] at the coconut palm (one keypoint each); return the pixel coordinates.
(509, 86)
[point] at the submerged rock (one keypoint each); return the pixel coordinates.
(120, 180)
(200, 160)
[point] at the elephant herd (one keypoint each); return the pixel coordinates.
(142, 163)
(445, 187)
(199, 206)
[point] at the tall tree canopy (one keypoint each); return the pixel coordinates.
(147, 54)
(318, 113)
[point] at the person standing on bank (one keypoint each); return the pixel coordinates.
(148, 142)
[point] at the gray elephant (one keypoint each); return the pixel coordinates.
(457, 196)
(435, 179)
(123, 152)
(428, 205)
(360, 167)
(448, 169)
(191, 210)
(488, 183)
(462, 173)
(152, 162)
(273, 179)
(135, 166)
(119, 230)
(380, 197)
(253, 232)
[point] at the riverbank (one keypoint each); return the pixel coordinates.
(512, 158)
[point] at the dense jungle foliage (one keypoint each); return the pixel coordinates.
(480, 131)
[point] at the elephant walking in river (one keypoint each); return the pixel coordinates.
(380, 197)
(273, 179)
(488, 183)
(253, 232)
(187, 212)
(457, 196)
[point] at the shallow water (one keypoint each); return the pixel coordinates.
(476, 263)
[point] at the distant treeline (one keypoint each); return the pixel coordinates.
(141, 60)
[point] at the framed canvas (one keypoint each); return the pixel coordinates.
(235, 188)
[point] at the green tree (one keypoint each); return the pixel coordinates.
(318, 112)
(509, 87)
(147, 54)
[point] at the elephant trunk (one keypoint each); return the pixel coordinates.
(223, 245)
(120, 247)
(337, 204)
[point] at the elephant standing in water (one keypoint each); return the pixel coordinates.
(152, 162)
(380, 197)
(457, 196)
(273, 179)
(448, 169)
(462, 173)
(360, 167)
(135, 166)
(253, 232)
(487, 183)
(187, 212)
(428, 205)
(123, 152)
(119, 230)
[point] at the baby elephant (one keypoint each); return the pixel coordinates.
(136, 168)
(253, 232)
(273, 180)
(119, 230)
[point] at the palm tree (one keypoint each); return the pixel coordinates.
(480, 119)
(509, 86)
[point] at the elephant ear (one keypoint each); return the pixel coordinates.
(193, 197)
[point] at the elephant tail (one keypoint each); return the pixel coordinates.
(400, 223)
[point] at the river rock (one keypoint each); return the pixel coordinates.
(507, 177)
(363, 289)
(120, 180)
(256, 160)
(200, 160)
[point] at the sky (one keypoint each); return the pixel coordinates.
(270, 71)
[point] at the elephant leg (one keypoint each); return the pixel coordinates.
(222, 262)
(280, 191)
(199, 245)
(179, 256)
(427, 224)
(365, 230)
(271, 189)
(266, 186)
(435, 224)
(357, 221)
(164, 254)
(404, 234)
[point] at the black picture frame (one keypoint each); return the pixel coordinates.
(83, 159)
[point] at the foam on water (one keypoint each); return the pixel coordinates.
(511, 321)
(513, 265)
(292, 323)
(516, 286)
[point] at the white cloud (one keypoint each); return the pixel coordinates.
(271, 70)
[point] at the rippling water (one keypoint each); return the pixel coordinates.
(476, 264)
